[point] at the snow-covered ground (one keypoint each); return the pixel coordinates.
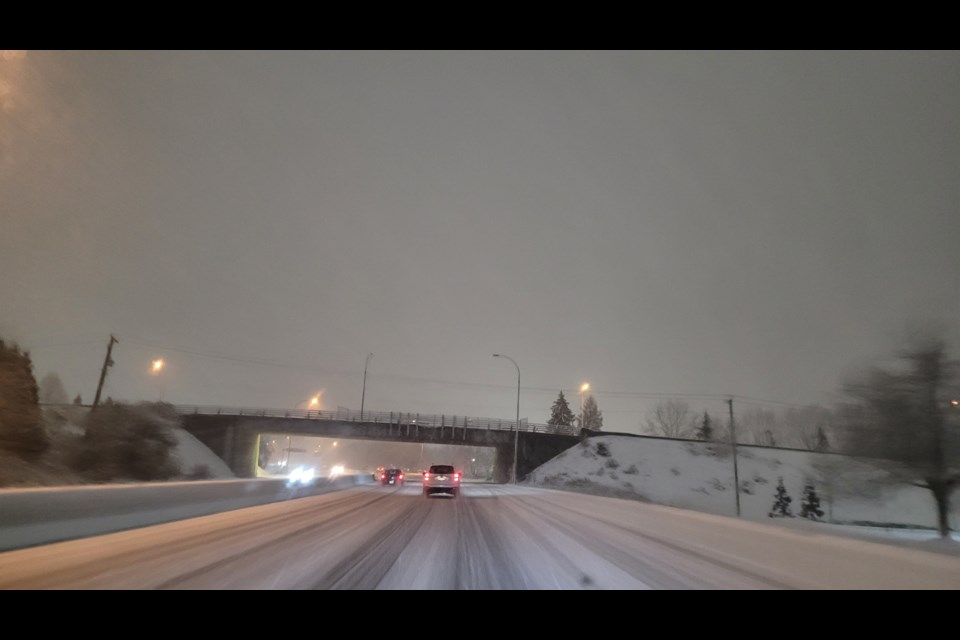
(193, 454)
(491, 537)
(700, 476)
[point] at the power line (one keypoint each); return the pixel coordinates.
(406, 378)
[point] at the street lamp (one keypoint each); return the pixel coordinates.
(313, 402)
(156, 368)
(363, 396)
(516, 436)
(583, 389)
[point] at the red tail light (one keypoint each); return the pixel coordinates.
(456, 477)
(401, 477)
(426, 475)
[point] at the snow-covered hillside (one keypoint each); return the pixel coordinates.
(700, 476)
(194, 456)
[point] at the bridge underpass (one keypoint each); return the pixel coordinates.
(234, 434)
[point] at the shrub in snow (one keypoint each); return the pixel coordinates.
(126, 443)
(810, 507)
(781, 503)
(612, 463)
(632, 469)
(603, 449)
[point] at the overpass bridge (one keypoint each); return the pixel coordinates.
(233, 433)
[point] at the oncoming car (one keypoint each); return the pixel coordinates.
(441, 479)
(392, 477)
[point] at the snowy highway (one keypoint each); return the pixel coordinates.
(492, 537)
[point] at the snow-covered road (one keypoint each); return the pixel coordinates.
(493, 537)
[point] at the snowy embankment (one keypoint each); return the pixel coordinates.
(700, 476)
(192, 455)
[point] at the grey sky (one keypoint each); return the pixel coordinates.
(750, 223)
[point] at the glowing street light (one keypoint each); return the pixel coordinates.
(156, 368)
(583, 389)
(955, 403)
(312, 403)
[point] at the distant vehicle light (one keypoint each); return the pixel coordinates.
(336, 470)
(300, 476)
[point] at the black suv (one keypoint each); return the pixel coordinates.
(392, 477)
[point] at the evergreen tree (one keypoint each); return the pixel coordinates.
(560, 413)
(592, 418)
(810, 507)
(21, 430)
(822, 443)
(705, 432)
(51, 390)
(781, 503)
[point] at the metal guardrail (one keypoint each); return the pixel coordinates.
(383, 417)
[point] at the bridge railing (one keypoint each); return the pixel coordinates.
(384, 417)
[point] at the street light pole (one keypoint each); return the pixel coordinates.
(516, 435)
(583, 388)
(156, 367)
(363, 395)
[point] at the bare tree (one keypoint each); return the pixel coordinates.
(903, 415)
(810, 426)
(762, 425)
(672, 419)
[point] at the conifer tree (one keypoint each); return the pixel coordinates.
(560, 413)
(592, 417)
(810, 507)
(705, 432)
(781, 503)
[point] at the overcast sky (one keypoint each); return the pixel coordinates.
(684, 223)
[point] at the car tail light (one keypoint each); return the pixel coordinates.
(426, 475)
(401, 477)
(456, 477)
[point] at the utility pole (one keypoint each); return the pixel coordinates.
(736, 472)
(107, 362)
